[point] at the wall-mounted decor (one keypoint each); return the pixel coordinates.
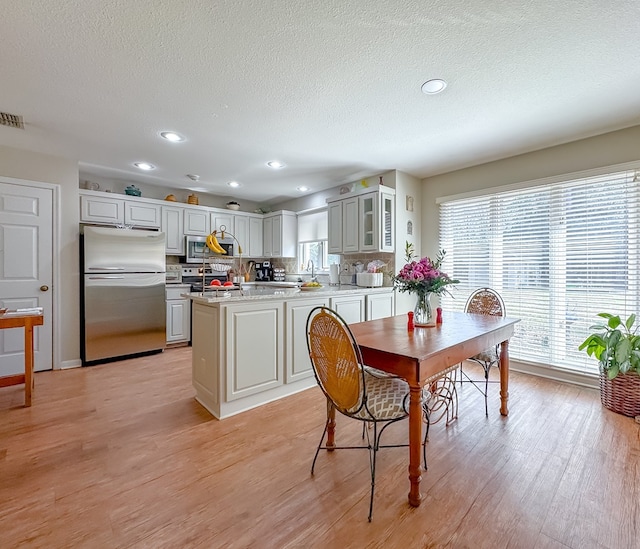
(409, 203)
(409, 227)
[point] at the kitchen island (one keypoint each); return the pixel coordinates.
(249, 345)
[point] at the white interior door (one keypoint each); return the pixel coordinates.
(26, 255)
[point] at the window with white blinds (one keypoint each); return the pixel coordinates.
(558, 254)
(313, 233)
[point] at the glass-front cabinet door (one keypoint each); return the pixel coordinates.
(377, 222)
(387, 223)
(368, 225)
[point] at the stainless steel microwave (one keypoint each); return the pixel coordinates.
(196, 248)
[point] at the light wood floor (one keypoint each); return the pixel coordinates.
(120, 455)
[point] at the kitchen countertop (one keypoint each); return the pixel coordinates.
(253, 293)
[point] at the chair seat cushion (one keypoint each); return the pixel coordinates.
(490, 356)
(387, 398)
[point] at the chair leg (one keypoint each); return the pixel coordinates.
(486, 367)
(424, 446)
(373, 450)
(326, 426)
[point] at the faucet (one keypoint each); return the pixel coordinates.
(313, 276)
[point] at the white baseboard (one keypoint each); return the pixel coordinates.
(66, 364)
(549, 372)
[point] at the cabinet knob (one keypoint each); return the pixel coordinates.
(44, 288)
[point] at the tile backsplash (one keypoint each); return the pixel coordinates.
(347, 264)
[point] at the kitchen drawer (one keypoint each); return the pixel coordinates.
(173, 291)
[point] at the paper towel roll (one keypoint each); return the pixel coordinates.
(334, 274)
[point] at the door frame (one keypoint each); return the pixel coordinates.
(55, 260)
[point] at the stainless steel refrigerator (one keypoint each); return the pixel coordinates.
(123, 293)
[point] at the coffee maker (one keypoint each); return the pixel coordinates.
(264, 271)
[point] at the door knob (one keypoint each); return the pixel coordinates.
(44, 288)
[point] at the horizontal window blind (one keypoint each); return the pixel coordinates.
(558, 254)
(313, 226)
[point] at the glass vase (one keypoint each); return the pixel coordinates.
(423, 314)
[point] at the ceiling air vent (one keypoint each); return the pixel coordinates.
(11, 120)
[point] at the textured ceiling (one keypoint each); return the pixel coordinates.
(330, 87)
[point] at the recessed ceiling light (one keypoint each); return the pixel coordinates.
(303, 189)
(433, 86)
(144, 166)
(172, 136)
(233, 184)
(276, 164)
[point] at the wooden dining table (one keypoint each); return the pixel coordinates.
(27, 320)
(421, 354)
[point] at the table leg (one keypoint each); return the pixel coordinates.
(331, 427)
(28, 363)
(504, 378)
(415, 441)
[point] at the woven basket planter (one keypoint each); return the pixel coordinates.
(621, 394)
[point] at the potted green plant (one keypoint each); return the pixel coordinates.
(616, 345)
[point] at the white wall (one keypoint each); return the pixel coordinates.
(20, 164)
(407, 185)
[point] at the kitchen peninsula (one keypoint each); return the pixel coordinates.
(249, 346)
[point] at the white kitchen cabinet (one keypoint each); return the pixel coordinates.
(172, 227)
(107, 209)
(349, 307)
(255, 237)
(197, 221)
(222, 219)
(380, 305)
(142, 214)
(254, 348)
(267, 236)
(280, 234)
(248, 231)
(365, 221)
(350, 225)
(334, 212)
(241, 232)
(103, 209)
(377, 225)
(298, 365)
(178, 314)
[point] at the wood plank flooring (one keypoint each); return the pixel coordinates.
(121, 456)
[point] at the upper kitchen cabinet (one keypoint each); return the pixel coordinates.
(248, 231)
(142, 214)
(100, 208)
(280, 234)
(334, 210)
(105, 209)
(221, 220)
(363, 221)
(197, 221)
(172, 227)
(350, 225)
(377, 221)
(256, 238)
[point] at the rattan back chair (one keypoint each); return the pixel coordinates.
(355, 391)
(484, 301)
